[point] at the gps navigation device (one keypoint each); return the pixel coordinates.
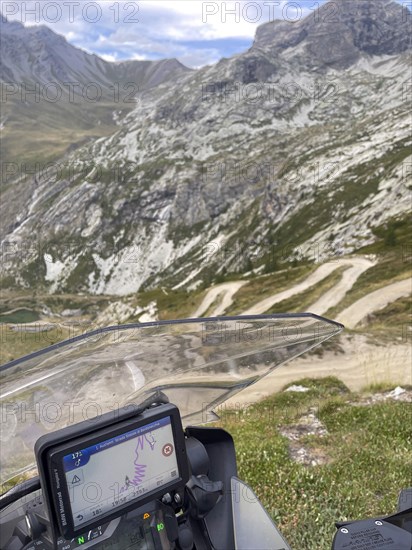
(90, 477)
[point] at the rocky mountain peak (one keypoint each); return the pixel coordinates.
(340, 32)
(55, 57)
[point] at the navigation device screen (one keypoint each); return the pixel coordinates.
(114, 472)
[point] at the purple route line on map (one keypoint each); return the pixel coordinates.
(139, 469)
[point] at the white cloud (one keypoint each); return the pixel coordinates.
(109, 57)
(141, 29)
(197, 32)
(208, 20)
(139, 57)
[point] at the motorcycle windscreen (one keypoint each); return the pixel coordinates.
(197, 363)
(253, 527)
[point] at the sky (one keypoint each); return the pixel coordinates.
(196, 32)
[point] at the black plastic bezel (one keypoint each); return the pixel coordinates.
(51, 449)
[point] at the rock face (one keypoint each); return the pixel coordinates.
(289, 148)
(37, 54)
(340, 32)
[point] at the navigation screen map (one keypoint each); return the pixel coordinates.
(114, 472)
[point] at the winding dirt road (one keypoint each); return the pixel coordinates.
(353, 315)
(226, 291)
(356, 267)
(362, 362)
(333, 296)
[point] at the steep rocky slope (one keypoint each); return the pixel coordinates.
(297, 148)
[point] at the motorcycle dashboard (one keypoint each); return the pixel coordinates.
(91, 477)
(146, 528)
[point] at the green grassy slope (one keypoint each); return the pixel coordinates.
(368, 453)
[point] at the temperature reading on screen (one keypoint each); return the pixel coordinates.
(76, 455)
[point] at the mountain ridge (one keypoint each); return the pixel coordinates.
(64, 95)
(339, 32)
(168, 199)
(43, 38)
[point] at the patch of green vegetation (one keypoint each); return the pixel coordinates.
(394, 319)
(4, 487)
(13, 298)
(179, 233)
(394, 157)
(23, 299)
(394, 237)
(321, 387)
(34, 273)
(7, 282)
(78, 278)
(264, 286)
(306, 222)
(381, 387)
(369, 459)
(216, 302)
(44, 131)
(221, 263)
(355, 190)
(348, 192)
(332, 345)
(171, 304)
(15, 344)
(302, 301)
